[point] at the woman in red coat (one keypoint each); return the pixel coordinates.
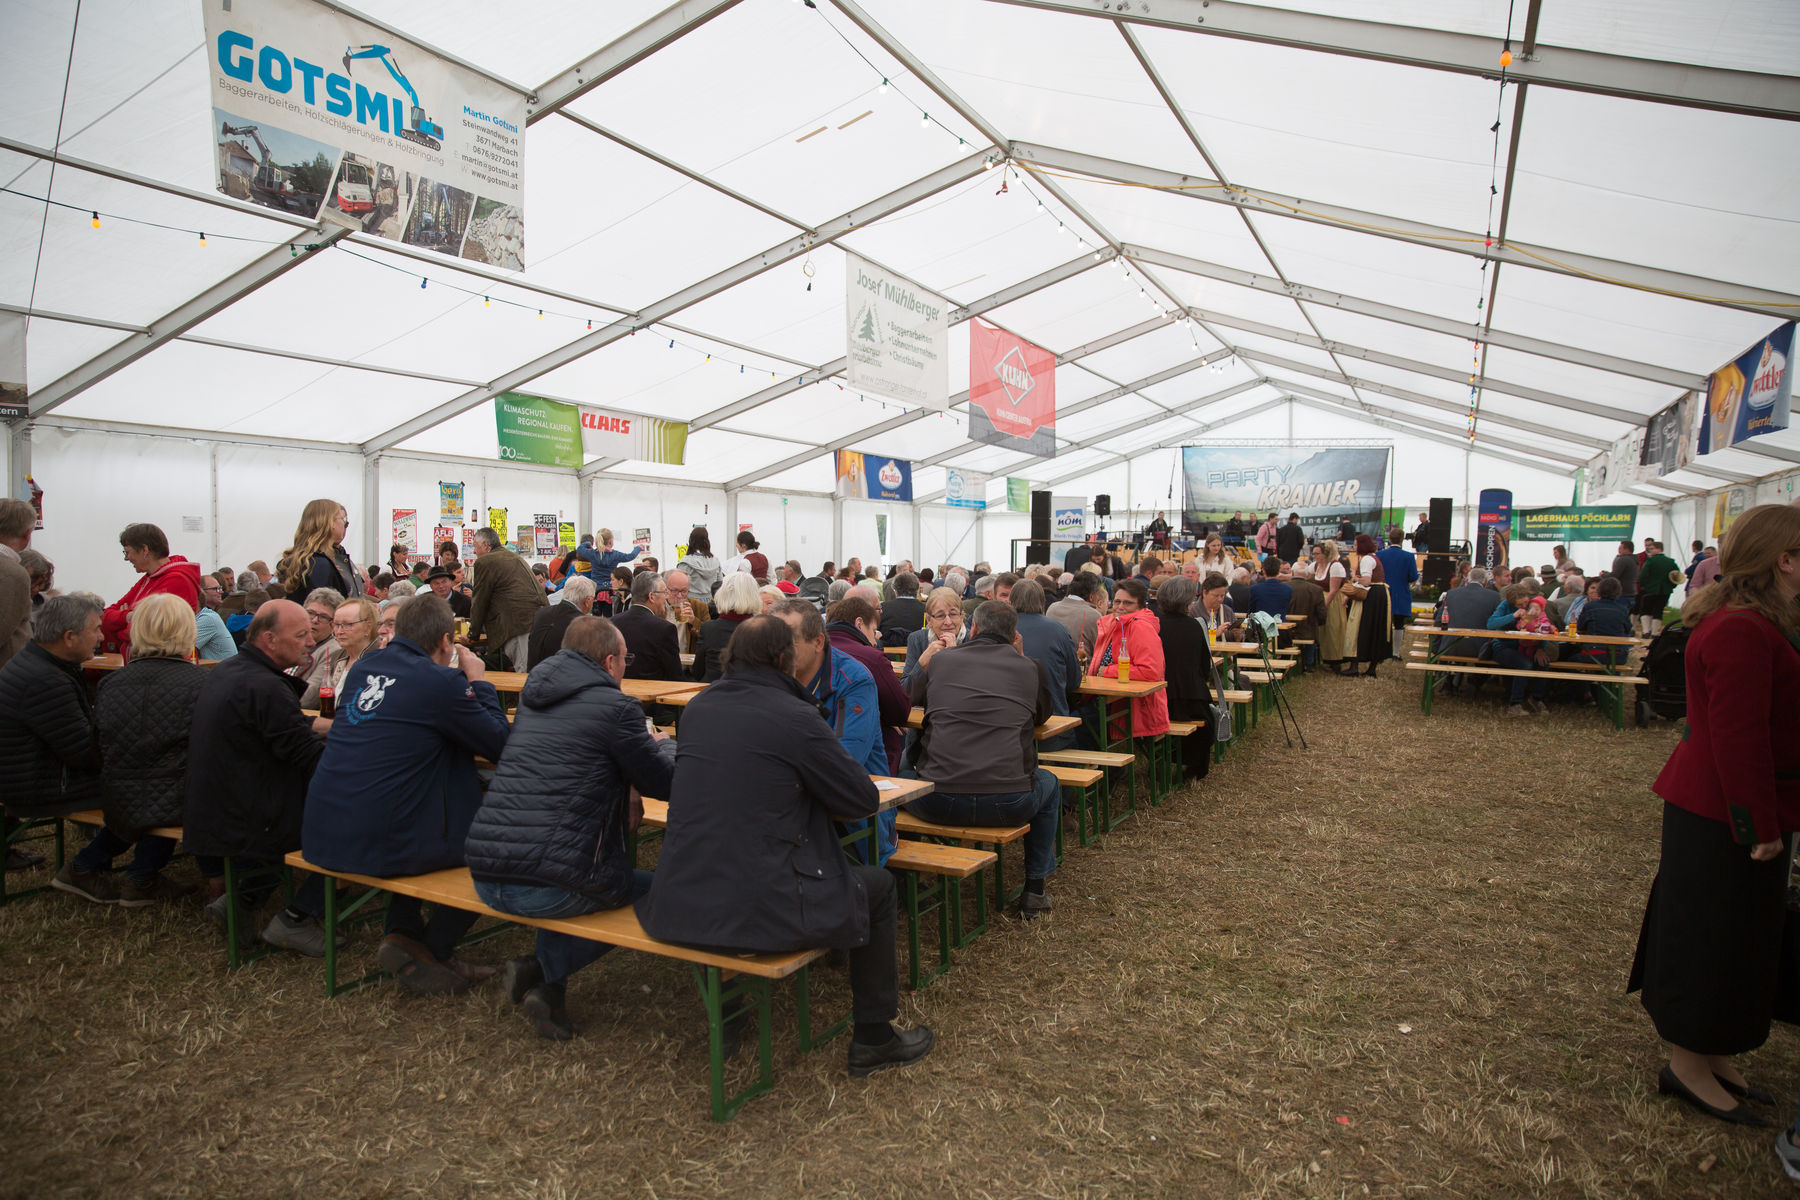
(1709, 955)
(1134, 627)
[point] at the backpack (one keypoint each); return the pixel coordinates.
(1666, 668)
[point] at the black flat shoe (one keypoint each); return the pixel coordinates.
(1754, 1095)
(906, 1046)
(1669, 1085)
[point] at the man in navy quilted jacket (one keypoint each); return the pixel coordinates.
(552, 837)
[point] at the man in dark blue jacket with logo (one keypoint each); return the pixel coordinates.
(552, 838)
(396, 789)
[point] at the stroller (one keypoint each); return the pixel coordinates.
(1665, 668)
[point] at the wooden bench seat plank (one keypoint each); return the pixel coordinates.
(1185, 728)
(1437, 668)
(906, 823)
(93, 816)
(616, 927)
(1086, 758)
(1076, 776)
(929, 858)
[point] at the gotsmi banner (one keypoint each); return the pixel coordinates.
(1324, 485)
(321, 115)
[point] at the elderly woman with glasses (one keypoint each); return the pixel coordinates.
(943, 629)
(354, 627)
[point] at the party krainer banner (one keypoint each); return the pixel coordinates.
(1750, 395)
(1574, 524)
(1018, 495)
(450, 502)
(871, 477)
(896, 337)
(1324, 485)
(552, 433)
(1012, 391)
(319, 114)
(965, 489)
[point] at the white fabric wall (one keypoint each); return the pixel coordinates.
(799, 528)
(862, 539)
(668, 511)
(410, 483)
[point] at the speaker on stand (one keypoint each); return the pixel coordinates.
(1440, 563)
(1038, 551)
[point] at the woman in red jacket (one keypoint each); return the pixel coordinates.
(1709, 956)
(1132, 626)
(147, 550)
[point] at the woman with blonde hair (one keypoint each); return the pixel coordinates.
(317, 559)
(1214, 558)
(142, 711)
(1329, 574)
(735, 602)
(1709, 955)
(355, 626)
(943, 629)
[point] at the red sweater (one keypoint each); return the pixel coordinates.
(1740, 754)
(178, 577)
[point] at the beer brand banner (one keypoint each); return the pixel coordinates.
(1325, 485)
(1012, 391)
(896, 337)
(319, 114)
(1750, 395)
(1493, 528)
(551, 433)
(965, 489)
(406, 528)
(450, 502)
(872, 477)
(1731, 504)
(1018, 495)
(1574, 524)
(1669, 438)
(1068, 517)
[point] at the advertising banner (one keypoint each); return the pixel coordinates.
(551, 433)
(1731, 504)
(896, 337)
(1018, 495)
(1574, 524)
(543, 528)
(1068, 517)
(1325, 485)
(406, 528)
(439, 535)
(319, 114)
(965, 489)
(523, 538)
(1012, 391)
(1669, 438)
(1493, 528)
(870, 477)
(1750, 395)
(468, 543)
(1616, 468)
(450, 502)
(12, 365)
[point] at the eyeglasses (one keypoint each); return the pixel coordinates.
(682, 592)
(347, 624)
(318, 618)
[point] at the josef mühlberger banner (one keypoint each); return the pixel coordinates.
(896, 337)
(1324, 485)
(871, 477)
(1750, 395)
(1012, 391)
(319, 114)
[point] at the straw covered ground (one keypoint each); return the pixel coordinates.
(1391, 966)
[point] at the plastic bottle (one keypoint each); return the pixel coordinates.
(1124, 659)
(328, 702)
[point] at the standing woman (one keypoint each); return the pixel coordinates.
(701, 567)
(1213, 556)
(1187, 665)
(317, 559)
(1368, 634)
(1329, 574)
(1709, 954)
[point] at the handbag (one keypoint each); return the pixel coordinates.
(1221, 711)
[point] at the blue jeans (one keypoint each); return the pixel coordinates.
(559, 954)
(1516, 660)
(1041, 807)
(153, 854)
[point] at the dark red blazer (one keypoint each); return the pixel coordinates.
(1739, 757)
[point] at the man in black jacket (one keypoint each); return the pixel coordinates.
(904, 613)
(442, 580)
(49, 748)
(553, 620)
(750, 860)
(552, 837)
(251, 754)
(983, 702)
(1290, 539)
(650, 640)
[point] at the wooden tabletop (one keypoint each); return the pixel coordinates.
(112, 662)
(894, 651)
(1520, 635)
(513, 682)
(1100, 685)
(895, 792)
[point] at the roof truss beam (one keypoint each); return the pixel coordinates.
(1199, 427)
(1544, 431)
(1436, 237)
(1685, 84)
(1426, 435)
(774, 256)
(1360, 408)
(667, 26)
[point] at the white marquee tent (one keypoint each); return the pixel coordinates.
(1228, 220)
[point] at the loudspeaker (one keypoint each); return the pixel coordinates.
(1438, 570)
(1440, 526)
(1039, 549)
(1103, 506)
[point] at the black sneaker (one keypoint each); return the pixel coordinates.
(89, 885)
(142, 893)
(521, 975)
(413, 965)
(544, 1009)
(23, 860)
(906, 1046)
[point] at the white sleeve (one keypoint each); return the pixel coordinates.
(1336, 571)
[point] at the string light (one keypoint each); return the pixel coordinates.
(540, 314)
(421, 283)
(96, 216)
(486, 303)
(924, 119)
(882, 90)
(203, 239)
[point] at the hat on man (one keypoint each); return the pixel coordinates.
(787, 588)
(440, 572)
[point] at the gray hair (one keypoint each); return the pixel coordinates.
(392, 602)
(996, 617)
(1478, 574)
(62, 615)
(247, 581)
(578, 590)
(644, 584)
(956, 581)
(737, 595)
(36, 565)
(836, 591)
(487, 537)
(984, 586)
(1176, 596)
(330, 596)
(868, 591)
(400, 589)
(17, 518)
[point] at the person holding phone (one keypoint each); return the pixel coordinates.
(1709, 956)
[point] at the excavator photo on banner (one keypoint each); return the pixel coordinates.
(423, 130)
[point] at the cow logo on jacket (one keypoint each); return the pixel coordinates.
(374, 691)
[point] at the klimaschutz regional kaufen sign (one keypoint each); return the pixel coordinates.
(328, 117)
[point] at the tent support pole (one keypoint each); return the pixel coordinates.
(18, 459)
(837, 530)
(586, 511)
(371, 546)
(213, 490)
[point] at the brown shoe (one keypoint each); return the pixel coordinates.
(471, 973)
(413, 965)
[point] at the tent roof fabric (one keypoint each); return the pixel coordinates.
(1205, 210)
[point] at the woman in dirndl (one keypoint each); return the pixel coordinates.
(1369, 637)
(1329, 574)
(1709, 957)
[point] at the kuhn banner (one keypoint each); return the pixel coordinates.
(1325, 486)
(1012, 391)
(322, 115)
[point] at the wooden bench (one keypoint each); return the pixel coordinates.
(1612, 687)
(1162, 759)
(21, 832)
(947, 867)
(750, 975)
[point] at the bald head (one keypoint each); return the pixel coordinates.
(280, 630)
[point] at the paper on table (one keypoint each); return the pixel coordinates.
(886, 785)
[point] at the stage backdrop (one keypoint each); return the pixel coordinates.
(1323, 484)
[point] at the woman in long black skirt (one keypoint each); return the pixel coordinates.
(1187, 665)
(1709, 955)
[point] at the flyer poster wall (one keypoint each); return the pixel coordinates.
(406, 528)
(1012, 391)
(322, 115)
(543, 526)
(872, 477)
(450, 502)
(1751, 395)
(1325, 485)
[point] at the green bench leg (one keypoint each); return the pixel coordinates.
(803, 1000)
(744, 993)
(236, 914)
(919, 899)
(20, 832)
(336, 915)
